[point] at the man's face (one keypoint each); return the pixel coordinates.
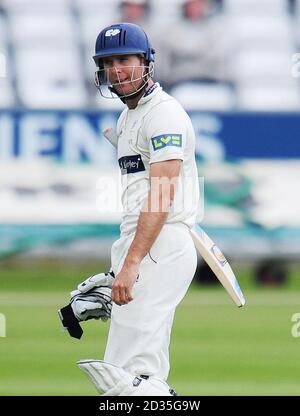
(124, 72)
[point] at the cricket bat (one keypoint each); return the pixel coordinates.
(218, 264)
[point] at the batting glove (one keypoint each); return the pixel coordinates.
(92, 300)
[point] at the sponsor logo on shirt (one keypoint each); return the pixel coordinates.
(131, 164)
(159, 142)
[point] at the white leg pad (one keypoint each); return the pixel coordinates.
(150, 387)
(106, 377)
(111, 380)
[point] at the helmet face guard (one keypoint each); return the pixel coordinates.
(116, 90)
(122, 39)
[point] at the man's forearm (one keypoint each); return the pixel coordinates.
(153, 215)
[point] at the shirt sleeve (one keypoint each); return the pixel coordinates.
(166, 131)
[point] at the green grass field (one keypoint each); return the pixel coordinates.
(217, 348)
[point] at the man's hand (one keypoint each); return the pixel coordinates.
(121, 292)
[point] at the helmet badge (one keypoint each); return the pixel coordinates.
(112, 32)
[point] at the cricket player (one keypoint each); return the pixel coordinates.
(154, 260)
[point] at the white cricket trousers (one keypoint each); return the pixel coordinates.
(139, 335)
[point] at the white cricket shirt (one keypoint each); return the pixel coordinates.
(157, 129)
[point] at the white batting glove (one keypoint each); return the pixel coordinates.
(97, 280)
(92, 299)
(96, 304)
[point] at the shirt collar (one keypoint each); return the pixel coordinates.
(150, 93)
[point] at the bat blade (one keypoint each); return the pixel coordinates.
(216, 260)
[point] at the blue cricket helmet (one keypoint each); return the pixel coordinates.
(123, 39)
